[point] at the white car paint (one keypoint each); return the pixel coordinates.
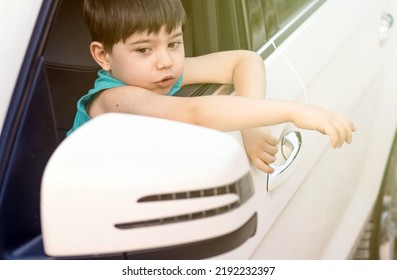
(342, 64)
(20, 17)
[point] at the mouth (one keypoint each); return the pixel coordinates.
(166, 82)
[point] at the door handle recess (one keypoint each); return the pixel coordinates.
(386, 23)
(294, 140)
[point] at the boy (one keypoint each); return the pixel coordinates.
(139, 45)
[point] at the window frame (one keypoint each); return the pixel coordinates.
(243, 40)
(285, 32)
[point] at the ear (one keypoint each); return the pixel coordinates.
(100, 55)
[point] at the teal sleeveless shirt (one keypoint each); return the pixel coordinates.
(104, 81)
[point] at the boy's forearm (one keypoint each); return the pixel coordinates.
(231, 113)
(226, 113)
(244, 69)
(249, 76)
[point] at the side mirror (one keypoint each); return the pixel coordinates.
(125, 184)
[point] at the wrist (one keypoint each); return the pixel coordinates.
(290, 111)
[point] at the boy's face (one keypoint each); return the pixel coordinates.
(151, 61)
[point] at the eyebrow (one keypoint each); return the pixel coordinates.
(150, 40)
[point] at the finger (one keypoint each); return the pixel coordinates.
(271, 140)
(349, 135)
(349, 129)
(270, 149)
(266, 157)
(333, 135)
(352, 128)
(342, 132)
(262, 166)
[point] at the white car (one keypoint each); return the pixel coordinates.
(131, 187)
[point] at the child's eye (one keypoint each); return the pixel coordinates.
(174, 45)
(143, 50)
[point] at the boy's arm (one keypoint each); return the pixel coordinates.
(227, 113)
(244, 69)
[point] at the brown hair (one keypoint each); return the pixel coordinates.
(111, 21)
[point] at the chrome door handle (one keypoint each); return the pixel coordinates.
(385, 25)
(294, 139)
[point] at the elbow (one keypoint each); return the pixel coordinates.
(252, 56)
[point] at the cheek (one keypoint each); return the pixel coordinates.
(179, 63)
(131, 73)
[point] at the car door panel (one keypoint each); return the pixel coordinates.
(341, 75)
(272, 195)
(321, 199)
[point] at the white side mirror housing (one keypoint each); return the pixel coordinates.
(125, 183)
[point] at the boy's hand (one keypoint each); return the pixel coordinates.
(261, 147)
(336, 126)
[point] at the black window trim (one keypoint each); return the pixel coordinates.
(285, 32)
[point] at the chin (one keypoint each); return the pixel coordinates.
(162, 91)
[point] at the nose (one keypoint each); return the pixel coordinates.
(164, 59)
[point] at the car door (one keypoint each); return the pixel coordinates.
(339, 54)
(275, 191)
